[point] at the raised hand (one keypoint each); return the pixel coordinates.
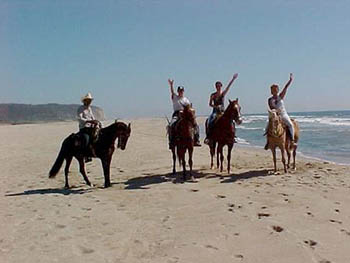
(235, 76)
(291, 76)
(171, 82)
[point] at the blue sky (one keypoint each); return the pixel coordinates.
(123, 52)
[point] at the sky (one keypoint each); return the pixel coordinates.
(123, 52)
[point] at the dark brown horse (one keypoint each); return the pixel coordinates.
(184, 140)
(278, 137)
(223, 133)
(104, 148)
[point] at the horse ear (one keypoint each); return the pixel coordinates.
(116, 120)
(230, 101)
(236, 99)
(129, 126)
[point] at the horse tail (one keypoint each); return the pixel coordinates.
(60, 158)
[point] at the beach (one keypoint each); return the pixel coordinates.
(250, 215)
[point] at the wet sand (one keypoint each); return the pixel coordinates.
(250, 215)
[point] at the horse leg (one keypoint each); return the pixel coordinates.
(220, 152)
(82, 171)
(106, 162)
(294, 155)
(183, 166)
(217, 156)
(190, 162)
(66, 171)
(273, 150)
(174, 159)
(288, 150)
(212, 153)
(230, 146)
(283, 159)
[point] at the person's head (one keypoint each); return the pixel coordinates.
(274, 89)
(218, 85)
(87, 99)
(180, 91)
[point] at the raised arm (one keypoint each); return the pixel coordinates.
(171, 84)
(284, 91)
(229, 84)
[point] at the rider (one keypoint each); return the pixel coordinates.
(87, 123)
(276, 102)
(216, 101)
(179, 102)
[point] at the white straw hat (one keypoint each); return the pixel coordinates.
(88, 96)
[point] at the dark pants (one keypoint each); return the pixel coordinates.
(86, 134)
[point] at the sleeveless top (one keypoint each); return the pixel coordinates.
(218, 102)
(278, 104)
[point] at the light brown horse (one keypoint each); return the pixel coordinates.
(183, 134)
(278, 136)
(223, 133)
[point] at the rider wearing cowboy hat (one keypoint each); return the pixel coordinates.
(87, 123)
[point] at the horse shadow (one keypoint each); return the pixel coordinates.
(144, 182)
(46, 191)
(246, 175)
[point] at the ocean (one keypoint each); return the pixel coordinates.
(323, 135)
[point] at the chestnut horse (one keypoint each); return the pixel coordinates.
(223, 133)
(183, 134)
(104, 148)
(278, 136)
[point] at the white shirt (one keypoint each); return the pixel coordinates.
(85, 114)
(179, 102)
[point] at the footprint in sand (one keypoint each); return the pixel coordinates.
(221, 196)
(261, 215)
(311, 243)
(277, 228)
(345, 231)
(309, 214)
(336, 221)
(239, 256)
(85, 250)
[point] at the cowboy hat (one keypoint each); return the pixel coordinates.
(88, 96)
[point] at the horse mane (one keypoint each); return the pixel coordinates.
(111, 129)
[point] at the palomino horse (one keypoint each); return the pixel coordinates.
(223, 133)
(104, 148)
(183, 134)
(278, 136)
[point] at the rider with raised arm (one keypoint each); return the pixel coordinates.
(276, 102)
(179, 102)
(87, 124)
(216, 101)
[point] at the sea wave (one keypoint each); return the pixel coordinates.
(325, 121)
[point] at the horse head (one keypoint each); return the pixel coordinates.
(123, 134)
(275, 123)
(234, 110)
(188, 114)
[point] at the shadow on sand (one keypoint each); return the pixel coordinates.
(143, 182)
(246, 175)
(61, 191)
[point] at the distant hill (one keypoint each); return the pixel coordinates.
(24, 113)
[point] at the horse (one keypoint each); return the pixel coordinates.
(103, 148)
(183, 134)
(279, 136)
(223, 133)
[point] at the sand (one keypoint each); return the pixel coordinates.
(249, 215)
